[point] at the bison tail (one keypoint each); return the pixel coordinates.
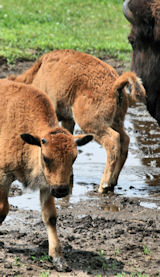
(28, 76)
(132, 84)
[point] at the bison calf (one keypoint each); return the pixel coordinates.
(36, 151)
(90, 92)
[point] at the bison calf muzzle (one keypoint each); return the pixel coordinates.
(60, 191)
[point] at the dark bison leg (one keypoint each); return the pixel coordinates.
(4, 206)
(158, 111)
(124, 143)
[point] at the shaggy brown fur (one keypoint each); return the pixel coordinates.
(145, 40)
(36, 151)
(90, 92)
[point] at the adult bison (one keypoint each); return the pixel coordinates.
(144, 37)
(36, 151)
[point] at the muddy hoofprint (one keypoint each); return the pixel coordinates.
(89, 92)
(36, 151)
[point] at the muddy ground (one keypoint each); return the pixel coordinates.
(113, 235)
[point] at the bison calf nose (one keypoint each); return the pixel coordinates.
(60, 191)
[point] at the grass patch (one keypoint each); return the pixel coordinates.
(17, 261)
(132, 275)
(42, 258)
(101, 259)
(146, 250)
(45, 274)
(31, 28)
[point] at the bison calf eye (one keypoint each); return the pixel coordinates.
(47, 161)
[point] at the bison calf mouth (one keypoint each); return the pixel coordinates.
(60, 191)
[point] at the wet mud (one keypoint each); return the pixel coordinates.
(112, 235)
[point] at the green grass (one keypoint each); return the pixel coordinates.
(17, 261)
(45, 274)
(101, 259)
(132, 275)
(146, 250)
(31, 27)
(42, 258)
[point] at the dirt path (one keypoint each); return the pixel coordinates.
(103, 236)
(95, 240)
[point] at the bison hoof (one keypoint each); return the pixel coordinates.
(71, 180)
(105, 188)
(2, 218)
(60, 265)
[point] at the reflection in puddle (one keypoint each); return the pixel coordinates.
(29, 200)
(139, 177)
(149, 205)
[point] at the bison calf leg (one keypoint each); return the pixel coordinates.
(124, 143)
(111, 142)
(49, 217)
(4, 206)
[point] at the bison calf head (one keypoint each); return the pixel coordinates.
(58, 153)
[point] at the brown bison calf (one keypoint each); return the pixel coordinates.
(90, 92)
(36, 151)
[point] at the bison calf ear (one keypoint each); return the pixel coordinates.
(84, 139)
(31, 139)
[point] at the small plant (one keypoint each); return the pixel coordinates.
(100, 253)
(114, 265)
(45, 274)
(101, 259)
(146, 250)
(44, 257)
(132, 275)
(121, 274)
(16, 261)
(34, 258)
(117, 251)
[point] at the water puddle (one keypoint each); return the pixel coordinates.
(149, 205)
(139, 177)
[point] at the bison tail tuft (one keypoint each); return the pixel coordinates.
(132, 85)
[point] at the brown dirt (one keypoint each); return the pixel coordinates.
(102, 236)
